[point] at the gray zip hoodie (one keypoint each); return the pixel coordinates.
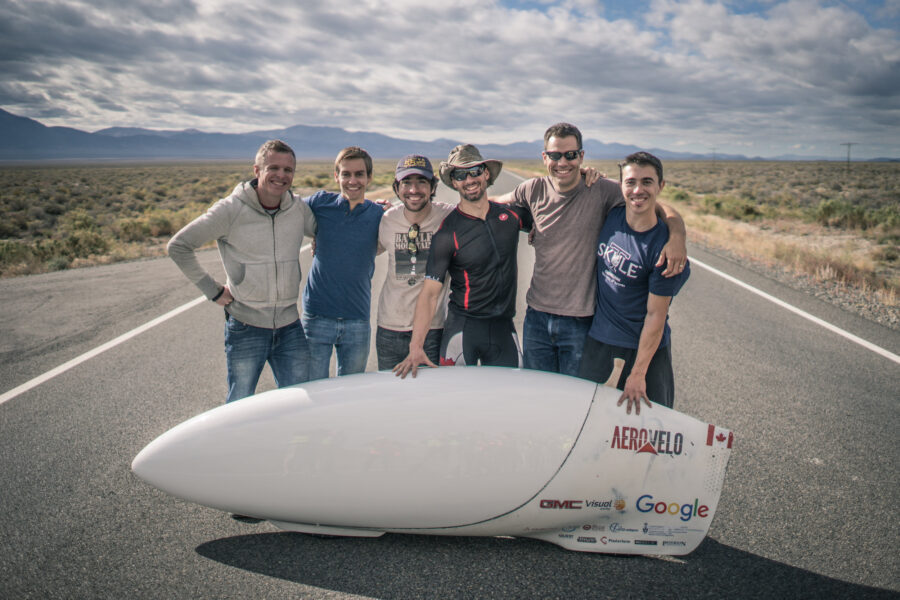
(260, 253)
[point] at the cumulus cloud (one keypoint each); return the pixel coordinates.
(692, 74)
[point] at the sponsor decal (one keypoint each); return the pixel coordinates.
(618, 527)
(667, 530)
(645, 542)
(601, 504)
(594, 527)
(569, 529)
(565, 535)
(686, 511)
(718, 437)
(619, 504)
(587, 540)
(608, 540)
(647, 441)
(562, 504)
(673, 543)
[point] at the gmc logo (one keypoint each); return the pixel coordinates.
(568, 504)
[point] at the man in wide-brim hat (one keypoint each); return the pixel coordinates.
(465, 156)
(476, 245)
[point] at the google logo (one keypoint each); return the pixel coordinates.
(645, 504)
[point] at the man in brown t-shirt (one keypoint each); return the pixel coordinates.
(568, 216)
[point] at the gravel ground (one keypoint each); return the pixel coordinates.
(850, 299)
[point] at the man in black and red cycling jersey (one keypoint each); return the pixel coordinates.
(476, 245)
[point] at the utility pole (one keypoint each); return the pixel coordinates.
(849, 145)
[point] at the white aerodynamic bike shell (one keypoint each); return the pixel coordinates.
(457, 451)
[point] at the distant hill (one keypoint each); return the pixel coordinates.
(22, 138)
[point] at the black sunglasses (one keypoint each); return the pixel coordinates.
(570, 155)
(411, 236)
(462, 174)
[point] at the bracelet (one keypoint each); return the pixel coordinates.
(219, 295)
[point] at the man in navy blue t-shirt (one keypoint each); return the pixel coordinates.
(339, 286)
(631, 315)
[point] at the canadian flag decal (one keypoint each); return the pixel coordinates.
(718, 437)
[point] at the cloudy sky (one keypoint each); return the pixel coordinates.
(756, 78)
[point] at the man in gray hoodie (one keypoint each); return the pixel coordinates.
(259, 230)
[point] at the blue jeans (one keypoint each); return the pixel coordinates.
(393, 346)
(349, 338)
(554, 342)
(248, 348)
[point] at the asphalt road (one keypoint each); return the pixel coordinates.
(809, 508)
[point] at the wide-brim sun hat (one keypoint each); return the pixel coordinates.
(465, 156)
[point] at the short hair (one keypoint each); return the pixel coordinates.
(351, 152)
(562, 130)
(268, 148)
(642, 159)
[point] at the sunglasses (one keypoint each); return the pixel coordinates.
(462, 174)
(411, 236)
(570, 155)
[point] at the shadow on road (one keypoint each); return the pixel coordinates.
(413, 566)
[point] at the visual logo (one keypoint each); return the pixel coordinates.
(645, 542)
(651, 441)
(618, 527)
(503, 216)
(619, 504)
(687, 511)
(587, 540)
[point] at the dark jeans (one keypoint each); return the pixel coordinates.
(598, 361)
(554, 342)
(393, 346)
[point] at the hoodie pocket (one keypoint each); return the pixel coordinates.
(288, 280)
(253, 283)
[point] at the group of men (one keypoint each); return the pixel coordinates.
(608, 260)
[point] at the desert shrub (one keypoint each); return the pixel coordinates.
(159, 224)
(13, 251)
(731, 207)
(78, 220)
(840, 213)
(83, 243)
(888, 254)
(131, 230)
(680, 196)
(58, 263)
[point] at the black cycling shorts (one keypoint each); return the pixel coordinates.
(490, 342)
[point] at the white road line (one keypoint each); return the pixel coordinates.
(103, 348)
(846, 334)
(98, 350)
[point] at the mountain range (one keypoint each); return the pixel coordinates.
(24, 139)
